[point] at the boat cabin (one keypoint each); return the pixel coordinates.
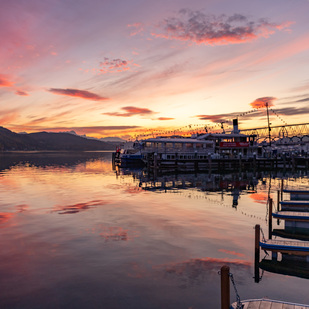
(180, 148)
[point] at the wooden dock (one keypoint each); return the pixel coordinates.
(175, 163)
(268, 304)
(297, 194)
(300, 248)
(298, 205)
(263, 303)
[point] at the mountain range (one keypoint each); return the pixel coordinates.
(50, 141)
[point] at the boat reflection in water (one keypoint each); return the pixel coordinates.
(230, 184)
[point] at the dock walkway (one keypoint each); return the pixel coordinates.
(268, 304)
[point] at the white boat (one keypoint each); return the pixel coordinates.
(129, 154)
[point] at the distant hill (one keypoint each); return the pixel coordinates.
(112, 139)
(49, 141)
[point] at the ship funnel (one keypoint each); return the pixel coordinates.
(235, 126)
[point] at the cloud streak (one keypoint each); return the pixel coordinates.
(196, 27)
(84, 94)
(21, 93)
(165, 118)
(130, 111)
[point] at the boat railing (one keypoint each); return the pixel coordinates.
(177, 150)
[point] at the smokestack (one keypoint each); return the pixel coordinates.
(235, 126)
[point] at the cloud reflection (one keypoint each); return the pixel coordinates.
(75, 208)
(5, 217)
(196, 271)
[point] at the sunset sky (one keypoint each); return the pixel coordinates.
(128, 67)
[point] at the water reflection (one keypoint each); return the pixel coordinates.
(128, 239)
(75, 208)
(199, 271)
(49, 159)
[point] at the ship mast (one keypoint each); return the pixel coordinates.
(269, 128)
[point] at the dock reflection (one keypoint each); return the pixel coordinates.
(286, 249)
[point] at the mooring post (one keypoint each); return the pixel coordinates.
(225, 287)
(278, 200)
(257, 242)
(270, 217)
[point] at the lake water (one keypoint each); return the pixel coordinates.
(75, 233)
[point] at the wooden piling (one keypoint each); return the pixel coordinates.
(257, 254)
(278, 200)
(270, 217)
(225, 287)
(257, 242)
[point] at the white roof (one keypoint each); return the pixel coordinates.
(221, 135)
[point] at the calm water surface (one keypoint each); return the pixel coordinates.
(77, 234)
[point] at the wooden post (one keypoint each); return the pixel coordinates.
(225, 287)
(282, 183)
(257, 242)
(270, 217)
(278, 200)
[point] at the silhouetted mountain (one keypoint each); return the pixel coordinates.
(49, 141)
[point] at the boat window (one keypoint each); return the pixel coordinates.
(178, 145)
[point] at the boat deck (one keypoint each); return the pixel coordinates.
(268, 304)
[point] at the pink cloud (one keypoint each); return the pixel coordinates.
(84, 94)
(196, 27)
(136, 28)
(115, 65)
(5, 82)
(131, 111)
(21, 93)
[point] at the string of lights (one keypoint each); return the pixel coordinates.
(196, 128)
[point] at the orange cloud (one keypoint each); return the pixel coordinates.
(261, 102)
(5, 82)
(131, 111)
(195, 26)
(8, 116)
(165, 118)
(84, 94)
